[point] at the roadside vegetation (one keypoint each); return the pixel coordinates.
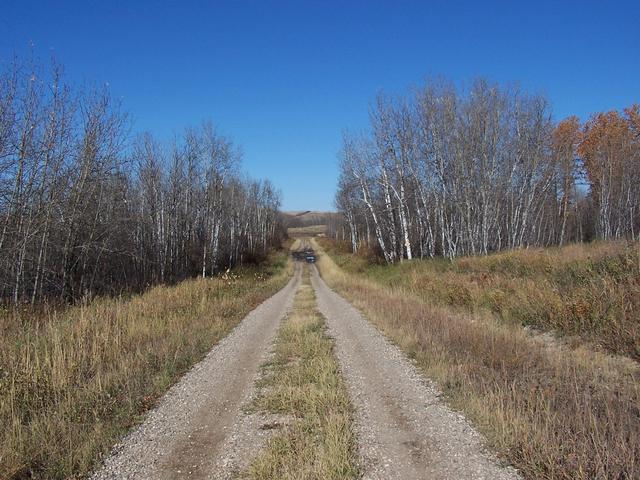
(585, 292)
(73, 381)
(86, 209)
(454, 171)
(303, 382)
(310, 230)
(553, 411)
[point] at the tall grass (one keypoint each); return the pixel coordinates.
(587, 292)
(554, 413)
(72, 382)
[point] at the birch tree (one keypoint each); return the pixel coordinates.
(85, 211)
(471, 171)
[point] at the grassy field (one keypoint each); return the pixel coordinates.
(72, 382)
(553, 411)
(303, 382)
(588, 292)
(307, 231)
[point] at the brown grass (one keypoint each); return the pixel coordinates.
(552, 412)
(311, 230)
(587, 292)
(72, 383)
(303, 381)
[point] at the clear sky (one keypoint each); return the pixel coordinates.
(283, 79)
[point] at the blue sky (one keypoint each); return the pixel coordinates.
(283, 79)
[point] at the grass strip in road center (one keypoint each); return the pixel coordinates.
(303, 382)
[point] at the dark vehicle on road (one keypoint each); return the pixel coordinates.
(307, 255)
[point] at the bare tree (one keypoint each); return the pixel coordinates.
(82, 213)
(466, 172)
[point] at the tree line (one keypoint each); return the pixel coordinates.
(448, 171)
(86, 210)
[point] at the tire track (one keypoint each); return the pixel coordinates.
(405, 430)
(183, 436)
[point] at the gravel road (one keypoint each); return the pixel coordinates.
(199, 430)
(200, 416)
(405, 430)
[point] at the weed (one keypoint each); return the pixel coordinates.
(73, 381)
(590, 291)
(554, 413)
(304, 381)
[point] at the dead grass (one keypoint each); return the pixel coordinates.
(304, 382)
(311, 230)
(588, 292)
(72, 383)
(553, 413)
(295, 245)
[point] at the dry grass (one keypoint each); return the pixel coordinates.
(307, 231)
(304, 382)
(72, 383)
(295, 244)
(554, 413)
(588, 292)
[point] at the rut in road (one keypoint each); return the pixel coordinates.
(199, 430)
(405, 430)
(184, 437)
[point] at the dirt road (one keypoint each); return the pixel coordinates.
(404, 429)
(184, 437)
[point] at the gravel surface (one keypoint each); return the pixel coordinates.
(405, 430)
(199, 430)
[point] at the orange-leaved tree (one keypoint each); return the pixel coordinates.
(610, 151)
(565, 140)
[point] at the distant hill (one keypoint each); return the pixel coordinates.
(307, 218)
(303, 218)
